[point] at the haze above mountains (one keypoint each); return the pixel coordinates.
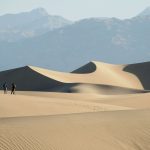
(39, 39)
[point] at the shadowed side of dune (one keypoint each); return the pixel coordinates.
(142, 71)
(88, 68)
(27, 79)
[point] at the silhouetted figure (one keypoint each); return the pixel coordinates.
(5, 88)
(13, 88)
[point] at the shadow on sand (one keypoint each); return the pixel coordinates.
(142, 71)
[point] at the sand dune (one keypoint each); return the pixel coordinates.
(98, 106)
(31, 78)
(105, 74)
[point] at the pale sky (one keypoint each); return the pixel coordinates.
(78, 9)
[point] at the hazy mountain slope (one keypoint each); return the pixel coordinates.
(28, 24)
(105, 39)
(145, 12)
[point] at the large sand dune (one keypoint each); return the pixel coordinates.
(98, 106)
(94, 76)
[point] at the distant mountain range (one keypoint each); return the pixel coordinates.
(14, 27)
(36, 38)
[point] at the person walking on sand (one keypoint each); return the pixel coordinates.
(5, 88)
(13, 88)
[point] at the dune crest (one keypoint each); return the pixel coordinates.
(88, 68)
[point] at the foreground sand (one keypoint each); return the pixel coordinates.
(44, 104)
(120, 130)
(100, 107)
(50, 121)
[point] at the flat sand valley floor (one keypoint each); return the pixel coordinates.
(65, 121)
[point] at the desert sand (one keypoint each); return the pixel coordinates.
(98, 106)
